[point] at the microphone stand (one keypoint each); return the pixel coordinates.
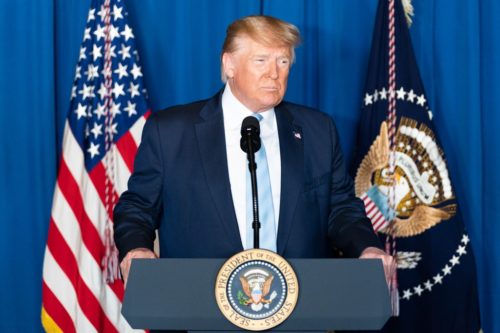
(252, 166)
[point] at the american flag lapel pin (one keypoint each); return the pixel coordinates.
(297, 134)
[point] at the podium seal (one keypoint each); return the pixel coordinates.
(256, 289)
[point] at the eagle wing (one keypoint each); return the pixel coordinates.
(267, 286)
(376, 158)
(246, 286)
(422, 218)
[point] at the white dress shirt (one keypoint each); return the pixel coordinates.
(234, 112)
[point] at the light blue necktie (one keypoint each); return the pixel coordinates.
(266, 209)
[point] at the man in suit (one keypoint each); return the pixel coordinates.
(190, 176)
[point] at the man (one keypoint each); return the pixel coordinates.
(190, 183)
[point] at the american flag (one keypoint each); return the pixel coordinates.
(81, 289)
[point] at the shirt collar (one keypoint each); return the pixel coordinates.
(234, 111)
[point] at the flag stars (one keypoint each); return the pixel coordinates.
(115, 109)
(93, 150)
(421, 100)
(92, 72)
(112, 129)
(113, 32)
(96, 52)
(407, 294)
(127, 33)
(82, 53)
(100, 32)
(455, 260)
(461, 250)
(81, 111)
(131, 109)
(99, 112)
(401, 93)
(411, 96)
(418, 290)
(446, 270)
(133, 90)
(368, 99)
(136, 71)
(73, 92)
(103, 92)
(438, 279)
(96, 130)
(383, 94)
(465, 239)
(102, 13)
(86, 35)
(91, 15)
(428, 285)
(121, 71)
(118, 90)
(87, 91)
(124, 52)
(117, 12)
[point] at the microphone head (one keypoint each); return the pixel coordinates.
(250, 134)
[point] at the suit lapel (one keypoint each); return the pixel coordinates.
(292, 165)
(212, 143)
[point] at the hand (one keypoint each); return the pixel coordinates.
(139, 253)
(388, 261)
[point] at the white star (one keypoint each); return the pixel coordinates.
(115, 109)
(421, 100)
(99, 32)
(446, 270)
(383, 94)
(96, 52)
(73, 92)
(77, 72)
(133, 90)
(82, 53)
(81, 111)
(112, 129)
(106, 71)
(102, 13)
(454, 260)
(103, 92)
(86, 35)
(91, 15)
(96, 130)
(401, 93)
(93, 150)
(125, 52)
(411, 96)
(429, 112)
(127, 33)
(130, 109)
(461, 250)
(136, 71)
(113, 32)
(368, 99)
(428, 285)
(100, 111)
(375, 96)
(407, 294)
(418, 290)
(118, 90)
(87, 91)
(438, 279)
(392, 93)
(112, 51)
(121, 71)
(465, 239)
(117, 12)
(92, 72)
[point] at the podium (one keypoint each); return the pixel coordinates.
(334, 294)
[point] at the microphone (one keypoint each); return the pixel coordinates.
(250, 143)
(250, 134)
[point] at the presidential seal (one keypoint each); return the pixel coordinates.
(256, 289)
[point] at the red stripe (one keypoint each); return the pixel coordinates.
(56, 311)
(127, 147)
(65, 258)
(98, 178)
(71, 192)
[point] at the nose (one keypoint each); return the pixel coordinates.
(273, 70)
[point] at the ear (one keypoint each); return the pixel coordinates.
(228, 64)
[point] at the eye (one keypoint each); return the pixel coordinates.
(284, 62)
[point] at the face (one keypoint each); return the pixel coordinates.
(257, 74)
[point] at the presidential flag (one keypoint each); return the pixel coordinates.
(401, 173)
(82, 291)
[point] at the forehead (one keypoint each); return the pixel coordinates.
(249, 47)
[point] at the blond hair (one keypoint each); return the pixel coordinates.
(266, 30)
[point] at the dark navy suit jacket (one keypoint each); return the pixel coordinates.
(180, 185)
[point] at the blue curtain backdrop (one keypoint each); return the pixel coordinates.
(457, 48)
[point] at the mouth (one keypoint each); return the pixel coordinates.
(270, 88)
